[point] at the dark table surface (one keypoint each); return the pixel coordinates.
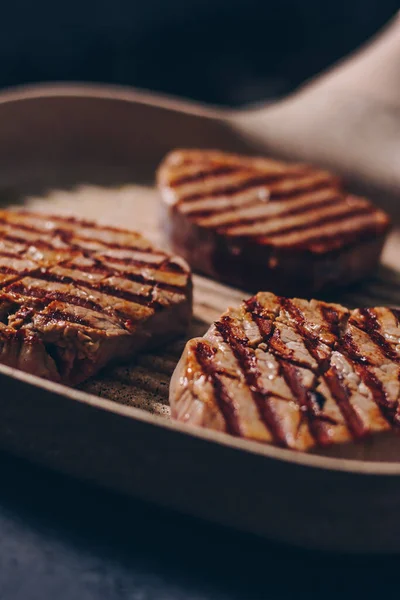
(62, 539)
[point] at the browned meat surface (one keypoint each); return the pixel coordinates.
(299, 374)
(255, 222)
(75, 296)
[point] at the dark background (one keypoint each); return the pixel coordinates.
(219, 51)
(64, 540)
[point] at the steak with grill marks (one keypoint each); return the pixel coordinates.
(256, 222)
(299, 374)
(75, 295)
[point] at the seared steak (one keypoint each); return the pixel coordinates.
(299, 374)
(75, 296)
(255, 222)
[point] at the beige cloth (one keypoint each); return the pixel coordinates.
(347, 119)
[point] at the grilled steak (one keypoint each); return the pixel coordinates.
(299, 374)
(75, 296)
(255, 222)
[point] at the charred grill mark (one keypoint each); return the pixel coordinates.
(312, 402)
(161, 285)
(347, 346)
(136, 262)
(79, 222)
(10, 279)
(24, 226)
(48, 297)
(37, 243)
(396, 313)
(144, 300)
(331, 318)
(136, 277)
(226, 374)
(340, 393)
(360, 364)
(60, 316)
(16, 254)
(372, 328)
(253, 181)
(362, 210)
(270, 333)
(294, 312)
(69, 237)
(280, 195)
(201, 213)
(308, 400)
(122, 261)
(169, 266)
(111, 246)
(20, 289)
(204, 356)
(319, 400)
(279, 347)
(203, 174)
(24, 315)
(66, 279)
(310, 225)
(66, 236)
(336, 238)
(76, 300)
(289, 373)
(311, 341)
(304, 209)
(281, 350)
(288, 368)
(332, 378)
(95, 267)
(245, 356)
(260, 316)
(8, 270)
(46, 217)
(386, 406)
